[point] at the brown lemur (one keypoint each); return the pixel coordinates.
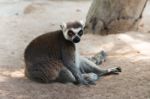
(54, 57)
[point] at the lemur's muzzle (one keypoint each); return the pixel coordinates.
(76, 39)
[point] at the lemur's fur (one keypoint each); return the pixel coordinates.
(54, 57)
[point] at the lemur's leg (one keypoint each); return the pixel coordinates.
(87, 66)
(65, 76)
(98, 58)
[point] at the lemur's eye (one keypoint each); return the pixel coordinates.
(80, 33)
(71, 33)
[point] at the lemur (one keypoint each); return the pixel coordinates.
(53, 57)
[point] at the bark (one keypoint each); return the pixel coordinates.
(113, 16)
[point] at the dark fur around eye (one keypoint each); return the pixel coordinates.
(80, 33)
(71, 33)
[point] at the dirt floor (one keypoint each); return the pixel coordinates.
(21, 21)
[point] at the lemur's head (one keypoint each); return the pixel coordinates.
(73, 31)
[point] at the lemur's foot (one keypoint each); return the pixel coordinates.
(114, 70)
(91, 78)
(99, 58)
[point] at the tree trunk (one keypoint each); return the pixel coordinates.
(113, 16)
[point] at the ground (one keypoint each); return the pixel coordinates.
(23, 20)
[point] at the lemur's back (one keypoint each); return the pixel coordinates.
(45, 45)
(43, 57)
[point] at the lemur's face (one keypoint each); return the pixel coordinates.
(73, 31)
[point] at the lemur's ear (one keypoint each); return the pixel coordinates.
(82, 22)
(63, 26)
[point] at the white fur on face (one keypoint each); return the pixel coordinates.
(75, 30)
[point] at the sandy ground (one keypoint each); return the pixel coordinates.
(23, 20)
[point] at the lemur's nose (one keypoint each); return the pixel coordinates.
(76, 39)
